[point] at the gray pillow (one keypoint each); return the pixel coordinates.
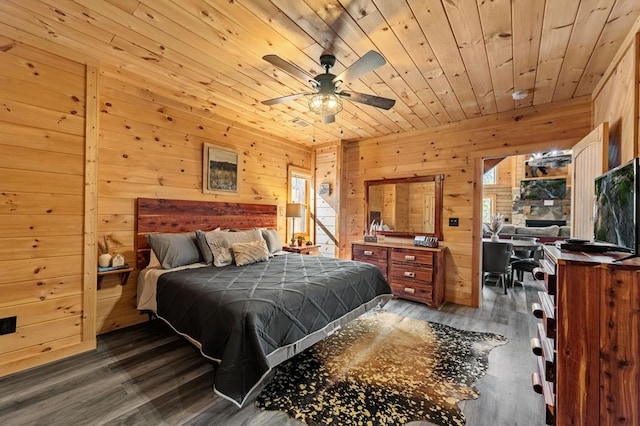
(274, 243)
(546, 231)
(508, 229)
(175, 250)
(205, 250)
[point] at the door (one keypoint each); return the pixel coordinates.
(587, 165)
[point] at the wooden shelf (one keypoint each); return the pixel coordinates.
(303, 249)
(124, 275)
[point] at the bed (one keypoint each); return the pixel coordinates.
(252, 317)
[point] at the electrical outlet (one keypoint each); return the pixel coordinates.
(8, 325)
(453, 221)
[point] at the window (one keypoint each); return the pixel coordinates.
(488, 207)
(299, 192)
(489, 178)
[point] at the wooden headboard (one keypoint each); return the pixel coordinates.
(160, 215)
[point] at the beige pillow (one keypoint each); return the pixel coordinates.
(246, 253)
(220, 243)
(153, 260)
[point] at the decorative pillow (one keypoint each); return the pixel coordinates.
(205, 250)
(274, 243)
(246, 253)
(175, 250)
(220, 243)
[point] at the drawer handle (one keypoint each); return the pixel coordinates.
(367, 253)
(536, 346)
(409, 257)
(536, 383)
(537, 311)
(409, 290)
(410, 274)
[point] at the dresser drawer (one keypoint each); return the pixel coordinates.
(412, 256)
(419, 293)
(369, 253)
(378, 264)
(409, 274)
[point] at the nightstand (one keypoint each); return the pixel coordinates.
(303, 249)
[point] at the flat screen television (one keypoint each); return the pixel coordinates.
(616, 207)
(543, 189)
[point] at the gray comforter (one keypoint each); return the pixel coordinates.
(241, 314)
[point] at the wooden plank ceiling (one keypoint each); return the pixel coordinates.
(447, 60)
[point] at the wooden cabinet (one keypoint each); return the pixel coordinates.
(414, 273)
(588, 341)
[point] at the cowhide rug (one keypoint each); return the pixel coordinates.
(382, 369)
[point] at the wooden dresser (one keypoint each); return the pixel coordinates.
(414, 273)
(588, 344)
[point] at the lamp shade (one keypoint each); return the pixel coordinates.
(325, 104)
(295, 210)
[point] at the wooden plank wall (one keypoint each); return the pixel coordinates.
(42, 213)
(456, 151)
(151, 146)
(617, 101)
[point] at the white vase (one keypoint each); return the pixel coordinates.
(494, 237)
(104, 260)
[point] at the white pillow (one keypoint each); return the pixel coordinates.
(246, 253)
(220, 243)
(153, 260)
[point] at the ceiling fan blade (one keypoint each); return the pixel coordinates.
(326, 119)
(369, 62)
(283, 99)
(289, 68)
(363, 98)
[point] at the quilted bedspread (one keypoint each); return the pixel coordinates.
(241, 314)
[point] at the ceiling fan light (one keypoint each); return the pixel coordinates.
(325, 104)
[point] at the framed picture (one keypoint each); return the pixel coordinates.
(220, 170)
(325, 189)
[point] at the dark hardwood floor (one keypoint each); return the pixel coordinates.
(147, 375)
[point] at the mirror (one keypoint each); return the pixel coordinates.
(406, 207)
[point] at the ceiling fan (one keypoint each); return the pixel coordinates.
(325, 100)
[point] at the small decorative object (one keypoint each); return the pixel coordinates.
(325, 189)
(494, 226)
(309, 243)
(104, 259)
(300, 240)
(118, 260)
(370, 236)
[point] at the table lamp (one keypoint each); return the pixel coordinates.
(294, 210)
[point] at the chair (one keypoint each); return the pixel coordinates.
(520, 266)
(520, 253)
(496, 258)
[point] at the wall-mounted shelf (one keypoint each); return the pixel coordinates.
(124, 275)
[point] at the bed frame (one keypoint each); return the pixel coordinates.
(162, 215)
